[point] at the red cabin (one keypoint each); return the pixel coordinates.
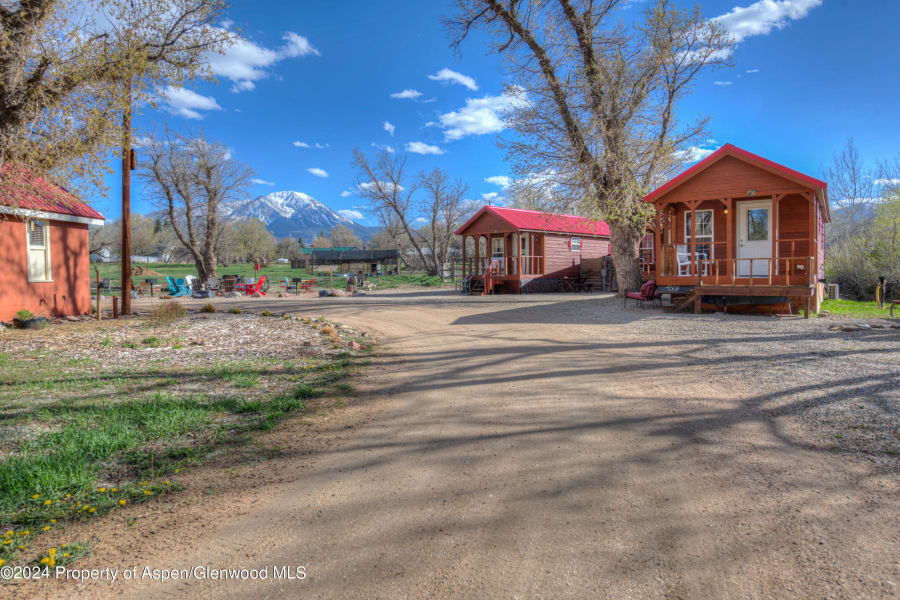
(515, 250)
(44, 247)
(738, 228)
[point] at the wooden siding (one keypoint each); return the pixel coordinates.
(731, 178)
(562, 262)
(487, 224)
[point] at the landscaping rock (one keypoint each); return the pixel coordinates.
(233, 295)
(72, 318)
(864, 326)
(256, 295)
(358, 293)
(354, 345)
(338, 293)
(307, 343)
(323, 293)
(850, 328)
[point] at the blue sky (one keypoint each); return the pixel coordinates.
(315, 79)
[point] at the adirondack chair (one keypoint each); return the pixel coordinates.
(172, 288)
(250, 289)
(647, 293)
(229, 283)
(192, 282)
(307, 285)
(181, 289)
(289, 287)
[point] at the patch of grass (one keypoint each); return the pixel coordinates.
(236, 310)
(854, 308)
(208, 308)
(266, 313)
(153, 342)
(166, 313)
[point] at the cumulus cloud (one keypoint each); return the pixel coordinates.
(751, 71)
(261, 181)
(186, 103)
(448, 76)
(346, 194)
(423, 148)
(407, 94)
(761, 17)
(501, 180)
(890, 182)
(385, 147)
(478, 117)
(245, 62)
(389, 127)
(317, 172)
(368, 186)
(722, 83)
(695, 154)
(299, 144)
(353, 215)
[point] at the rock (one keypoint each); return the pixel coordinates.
(281, 295)
(72, 318)
(338, 293)
(285, 316)
(835, 327)
(307, 343)
(233, 295)
(323, 293)
(363, 333)
(850, 328)
(878, 326)
(864, 326)
(354, 345)
(256, 295)
(358, 293)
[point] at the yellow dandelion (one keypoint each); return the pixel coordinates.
(148, 493)
(1, 562)
(68, 495)
(101, 490)
(48, 502)
(46, 528)
(52, 552)
(45, 560)
(122, 502)
(10, 532)
(144, 482)
(177, 470)
(7, 542)
(85, 507)
(36, 496)
(20, 547)
(53, 521)
(165, 483)
(114, 490)
(52, 563)
(26, 532)
(78, 547)
(66, 555)
(92, 509)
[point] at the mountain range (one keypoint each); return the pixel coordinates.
(294, 214)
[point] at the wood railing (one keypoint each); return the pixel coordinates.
(795, 270)
(669, 266)
(510, 265)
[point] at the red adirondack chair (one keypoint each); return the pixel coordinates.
(307, 285)
(647, 293)
(249, 290)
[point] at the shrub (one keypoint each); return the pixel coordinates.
(24, 315)
(209, 308)
(236, 310)
(266, 313)
(166, 313)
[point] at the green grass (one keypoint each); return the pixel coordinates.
(854, 308)
(275, 272)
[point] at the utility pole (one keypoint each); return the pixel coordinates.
(127, 166)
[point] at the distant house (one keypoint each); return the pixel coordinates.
(44, 246)
(520, 250)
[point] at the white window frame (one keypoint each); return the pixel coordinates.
(701, 239)
(572, 242)
(48, 274)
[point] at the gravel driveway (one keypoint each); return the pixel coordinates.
(557, 446)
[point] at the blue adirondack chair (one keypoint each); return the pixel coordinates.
(180, 287)
(172, 289)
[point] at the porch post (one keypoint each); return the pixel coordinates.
(776, 198)
(694, 239)
(729, 236)
(813, 240)
(464, 256)
(477, 254)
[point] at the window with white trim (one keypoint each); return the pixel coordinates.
(575, 244)
(704, 231)
(38, 246)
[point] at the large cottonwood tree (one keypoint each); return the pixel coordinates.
(595, 99)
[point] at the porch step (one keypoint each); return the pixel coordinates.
(690, 299)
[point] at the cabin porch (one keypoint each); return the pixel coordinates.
(503, 261)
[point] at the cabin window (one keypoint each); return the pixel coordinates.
(646, 249)
(575, 244)
(704, 231)
(38, 246)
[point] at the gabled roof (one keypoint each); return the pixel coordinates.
(26, 194)
(535, 220)
(309, 249)
(741, 154)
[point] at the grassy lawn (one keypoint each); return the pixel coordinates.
(854, 308)
(275, 272)
(80, 437)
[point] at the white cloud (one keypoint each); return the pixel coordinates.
(353, 215)
(751, 71)
(370, 185)
(722, 83)
(478, 117)
(490, 196)
(318, 172)
(245, 62)
(227, 23)
(887, 182)
(299, 144)
(261, 181)
(502, 180)
(346, 194)
(761, 17)
(695, 154)
(448, 76)
(385, 147)
(407, 94)
(186, 103)
(389, 127)
(423, 148)
(420, 221)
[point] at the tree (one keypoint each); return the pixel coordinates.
(191, 177)
(444, 210)
(69, 68)
(253, 241)
(145, 239)
(287, 247)
(342, 236)
(595, 100)
(851, 191)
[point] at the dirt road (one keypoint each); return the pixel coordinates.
(533, 448)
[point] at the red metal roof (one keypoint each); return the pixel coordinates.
(732, 150)
(535, 220)
(20, 188)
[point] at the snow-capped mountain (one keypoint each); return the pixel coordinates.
(293, 213)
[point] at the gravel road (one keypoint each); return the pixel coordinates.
(559, 447)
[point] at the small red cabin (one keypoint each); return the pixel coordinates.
(515, 250)
(738, 228)
(44, 247)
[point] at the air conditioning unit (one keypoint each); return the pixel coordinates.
(834, 291)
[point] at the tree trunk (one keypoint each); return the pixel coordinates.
(625, 240)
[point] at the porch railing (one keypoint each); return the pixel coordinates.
(792, 268)
(510, 265)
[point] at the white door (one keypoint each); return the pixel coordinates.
(525, 249)
(754, 238)
(497, 252)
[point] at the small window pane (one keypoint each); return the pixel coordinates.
(576, 244)
(757, 224)
(36, 234)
